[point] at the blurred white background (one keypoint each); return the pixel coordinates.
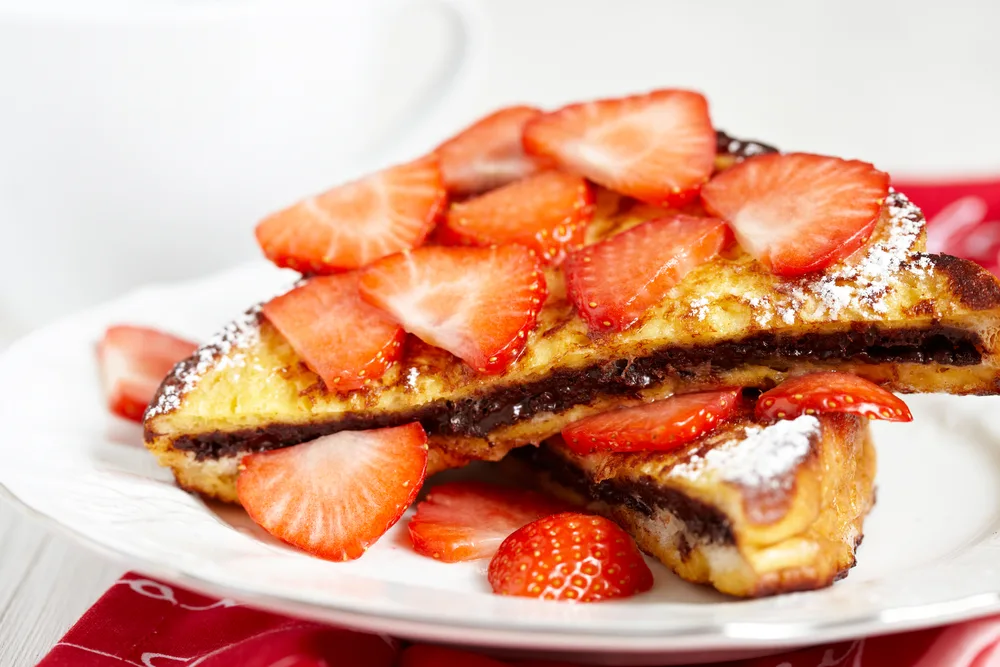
(141, 141)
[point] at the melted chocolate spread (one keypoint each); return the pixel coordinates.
(478, 416)
(740, 148)
(642, 495)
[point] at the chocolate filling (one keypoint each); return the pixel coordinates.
(562, 389)
(642, 495)
(740, 148)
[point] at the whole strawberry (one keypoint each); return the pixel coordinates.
(570, 556)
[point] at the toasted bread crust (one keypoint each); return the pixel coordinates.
(973, 286)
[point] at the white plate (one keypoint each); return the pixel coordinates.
(931, 552)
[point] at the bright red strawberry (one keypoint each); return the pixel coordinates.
(831, 392)
(133, 362)
(343, 339)
(658, 147)
(798, 213)
(358, 222)
(658, 426)
(468, 520)
(547, 212)
(426, 655)
(336, 495)
(614, 282)
(488, 153)
(570, 556)
(477, 303)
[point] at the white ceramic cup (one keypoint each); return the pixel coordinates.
(140, 140)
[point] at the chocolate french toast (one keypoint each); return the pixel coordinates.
(911, 321)
(751, 508)
(682, 331)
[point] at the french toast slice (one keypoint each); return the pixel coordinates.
(751, 509)
(911, 321)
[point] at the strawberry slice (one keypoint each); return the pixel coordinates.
(547, 212)
(831, 391)
(658, 426)
(340, 337)
(468, 520)
(358, 222)
(477, 303)
(614, 282)
(798, 213)
(488, 153)
(658, 147)
(426, 655)
(336, 495)
(133, 362)
(570, 556)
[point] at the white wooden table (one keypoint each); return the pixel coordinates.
(46, 582)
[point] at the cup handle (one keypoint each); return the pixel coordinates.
(468, 38)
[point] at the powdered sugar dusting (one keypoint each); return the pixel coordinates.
(787, 314)
(868, 281)
(761, 460)
(239, 334)
(864, 284)
(762, 308)
(699, 308)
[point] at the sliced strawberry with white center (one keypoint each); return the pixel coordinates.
(612, 283)
(658, 147)
(468, 520)
(831, 392)
(133, 362)
(657, 426)
(798, 213)
(336, 495)
(477, 303)
(340, 337)
(547, 212)
(358, 222)
(488, 153)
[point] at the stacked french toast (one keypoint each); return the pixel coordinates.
(648, 320)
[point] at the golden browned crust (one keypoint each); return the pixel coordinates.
(972, 285)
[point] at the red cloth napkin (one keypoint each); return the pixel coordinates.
(963, 218)
(143, 622)
(146, 623)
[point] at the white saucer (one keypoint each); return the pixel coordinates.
(931, 552)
